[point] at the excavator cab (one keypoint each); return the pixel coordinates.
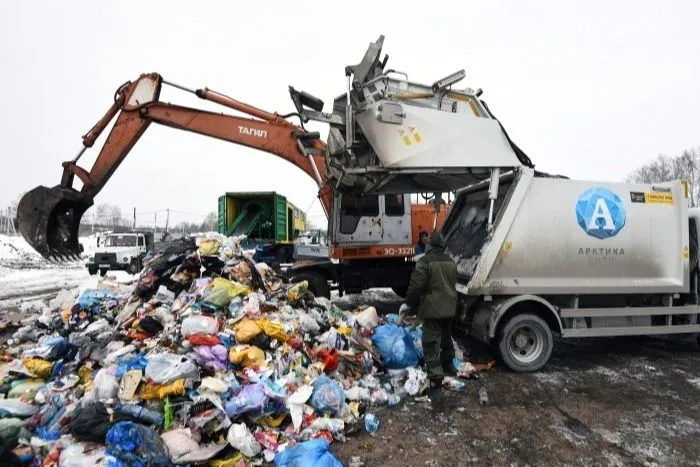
(49, 219)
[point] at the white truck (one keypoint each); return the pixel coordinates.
(537, 254)
(120, 251)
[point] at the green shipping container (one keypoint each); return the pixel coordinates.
(261, 216)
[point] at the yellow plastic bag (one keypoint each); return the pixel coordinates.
(273, 330)
(209, 246)
(234, 461)
(246, 330)
(270, 421)
(297, 290)
(246, 355)
(161, 391)
(223, 291)
(38, 366)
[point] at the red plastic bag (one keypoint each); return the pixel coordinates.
(203, 339)
(330, 359)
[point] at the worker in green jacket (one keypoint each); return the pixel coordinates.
(432, 294)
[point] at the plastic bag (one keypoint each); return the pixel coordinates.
(25, 389)
(89, 422)
(395, 346)
(17, 408)
(161, 391)
(368, 318)
(295, 403)
(246, 356)
(312, 453)
(38, 367)
(199, 324)
(246, 329)
(208, 246)
(222, 291)
(274, 330)
(50, 348)
(165, 368)
(327, 396)
(136, 445)
(297, 290)
(105, 385)
(214, 356)
(242, 439)
(252, 398)
(83, 455)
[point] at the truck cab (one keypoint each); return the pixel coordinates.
(120, 251)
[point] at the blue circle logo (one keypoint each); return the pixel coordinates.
(600, 213)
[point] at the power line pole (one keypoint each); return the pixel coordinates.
(134, 227)
(167, 219)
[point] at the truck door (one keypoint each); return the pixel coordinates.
(357, 219)
(396, 219)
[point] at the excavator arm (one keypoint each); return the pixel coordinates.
(49, 218)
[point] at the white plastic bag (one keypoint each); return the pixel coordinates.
(368, 318)
(105, 386)
(242, 439)
(199, 324)
(165, 368)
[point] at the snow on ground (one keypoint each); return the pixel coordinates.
(25, 275)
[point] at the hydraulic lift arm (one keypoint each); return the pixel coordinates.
(49, 218)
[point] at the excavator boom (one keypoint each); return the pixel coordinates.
(49, 218)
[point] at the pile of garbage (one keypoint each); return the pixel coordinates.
(207, 358)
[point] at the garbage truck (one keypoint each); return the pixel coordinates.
(270, 222)
(537, 254)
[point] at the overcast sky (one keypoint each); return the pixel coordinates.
(588, 89)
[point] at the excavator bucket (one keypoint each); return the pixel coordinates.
(49, 219)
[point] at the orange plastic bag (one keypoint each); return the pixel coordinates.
(246, 330)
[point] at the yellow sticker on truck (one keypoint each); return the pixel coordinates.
(651, 197)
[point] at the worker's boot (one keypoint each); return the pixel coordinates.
(449, 369)
(435, 392)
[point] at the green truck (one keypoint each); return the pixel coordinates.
(269, 221)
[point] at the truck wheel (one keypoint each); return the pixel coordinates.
(133, 268)
(92, 271)
(103, 272)
(525, 343)
(317, 283)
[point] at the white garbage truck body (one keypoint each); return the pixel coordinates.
(572, 257)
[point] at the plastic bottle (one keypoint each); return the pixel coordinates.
(142, 414)
(483, 397)
(371, 423)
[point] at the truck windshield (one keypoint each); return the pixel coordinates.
(121, 240)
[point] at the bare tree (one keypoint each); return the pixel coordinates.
(685, 166)
(103, 213)
(115, 216)
(210, 222)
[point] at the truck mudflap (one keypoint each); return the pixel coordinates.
(488, 314)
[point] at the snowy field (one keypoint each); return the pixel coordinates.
(25, 276)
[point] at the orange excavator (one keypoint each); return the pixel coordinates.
(371, 237)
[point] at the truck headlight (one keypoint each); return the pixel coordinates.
(91, 259)
(126, 260)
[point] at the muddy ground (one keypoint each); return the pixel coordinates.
(599, 402)
(612, 401)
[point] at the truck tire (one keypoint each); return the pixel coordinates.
(92, 271)
(133, 268)
(525, 343)
(317, 283)
(103, 272)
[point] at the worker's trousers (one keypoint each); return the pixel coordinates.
(437, 346)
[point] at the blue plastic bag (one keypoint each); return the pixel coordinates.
(134, 445)
(91, 299)
(395, 346)
(312, 453)
(252, 398)
(327, 395)
(417, 336)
